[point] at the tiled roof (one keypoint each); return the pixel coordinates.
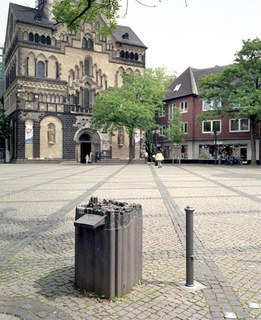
(126, 35)
(29, 15)
(187, 83)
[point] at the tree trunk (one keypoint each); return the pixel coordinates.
(253, 142)
(131, 146)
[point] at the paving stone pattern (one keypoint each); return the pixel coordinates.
(37, 210)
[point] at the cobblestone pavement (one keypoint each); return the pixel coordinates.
(37, 209)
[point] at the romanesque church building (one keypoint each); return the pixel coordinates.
(52, 78)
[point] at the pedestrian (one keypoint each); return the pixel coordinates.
(159, 158)
(146, 156)
(87, 158)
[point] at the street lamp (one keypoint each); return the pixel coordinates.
(215, 141)
(156, 131)
(215, 131)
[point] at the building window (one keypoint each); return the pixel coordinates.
(86, 99)
(64, 37)
(177, 87)
(185, 127)
(183, 106)
(40, 69)
(208, 126)
(129, 55)
(84, 43)
(162, 111)
(48, 40)
(171, 111)
(90, 44)
(76, 98)
(87, 43)
(210, 105)
(57, 71)
(87, 67)
(31, 37)
(162, 131)
(43, 39)
(235, 105)
(236, 125)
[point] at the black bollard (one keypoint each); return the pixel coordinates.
(189, 247)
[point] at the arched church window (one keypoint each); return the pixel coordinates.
(84, 43)
(43, 39)
(122, 54)
(31, 37)
(76, 98)
(48, 40)
(87, 67)
(90, 44)
(136, 56)
(127, 55)
(57, 71)
(40, 69)
(86, 98)
(36, 37)
(85, 137)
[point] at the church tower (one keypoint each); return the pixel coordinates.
(45, 6)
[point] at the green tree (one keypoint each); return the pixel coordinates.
(133, 105)
(74, 13)
(175, 133)
(238, 88)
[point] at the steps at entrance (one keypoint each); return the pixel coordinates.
(120, 161)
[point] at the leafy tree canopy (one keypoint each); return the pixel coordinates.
(175, 133)
(238, 88)
(73, 13)
(133, 105)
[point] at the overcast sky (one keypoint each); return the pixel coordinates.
(179, 33)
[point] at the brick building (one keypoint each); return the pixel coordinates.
(207, 140)
(52, 78)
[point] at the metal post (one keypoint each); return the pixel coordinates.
(215, 133)
(189, 247)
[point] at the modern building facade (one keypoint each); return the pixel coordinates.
(52, 78)
(211, 139)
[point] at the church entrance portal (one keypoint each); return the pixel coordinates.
(89, 143)
(86, 146)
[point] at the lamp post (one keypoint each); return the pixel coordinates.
(215, 131)
(157, 131)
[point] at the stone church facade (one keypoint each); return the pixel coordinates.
(52, 78)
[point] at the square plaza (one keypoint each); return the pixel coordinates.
(37, 210)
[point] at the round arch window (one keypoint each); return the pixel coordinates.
(85, 137)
